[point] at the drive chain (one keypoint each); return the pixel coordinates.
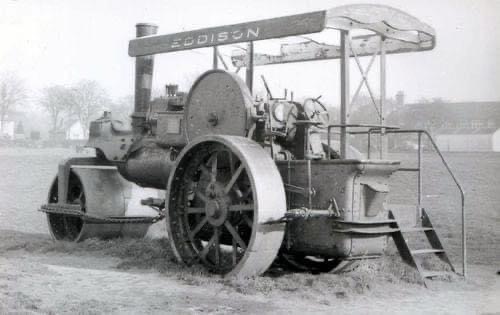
(77, 211)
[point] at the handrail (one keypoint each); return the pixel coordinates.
(371, 126)
(450, 172)
(363, 126)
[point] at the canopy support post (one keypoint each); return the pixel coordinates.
(249, 74)
(216, 58)
(344, 91)
(383, 135)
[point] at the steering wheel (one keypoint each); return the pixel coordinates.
(316, 111)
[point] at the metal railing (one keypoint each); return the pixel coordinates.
(380, 129)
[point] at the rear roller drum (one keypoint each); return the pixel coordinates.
(97, 192)
(61, 226)
(222, 192)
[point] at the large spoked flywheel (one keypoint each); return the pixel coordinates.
(223, 191)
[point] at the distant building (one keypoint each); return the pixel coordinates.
(19, 131)
(469, 140)
(466, 126)
(13, 126)
(7, 128)
(21, 125)
(74, 131)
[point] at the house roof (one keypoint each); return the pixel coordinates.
(457, 111)
(16, 116)
(449, 118)
(467, 131)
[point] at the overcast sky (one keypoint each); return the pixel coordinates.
(61, 42)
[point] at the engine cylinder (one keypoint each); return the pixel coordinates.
(149, 166)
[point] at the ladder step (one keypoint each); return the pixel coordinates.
(378, 222)
(432, 274)
(426, 251)
(367, 230)
(416, 229)
(362, 257)
(408, 255)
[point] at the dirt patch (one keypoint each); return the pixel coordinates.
(140, 276)
(39, 276)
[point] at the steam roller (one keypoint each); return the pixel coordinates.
(217, 183)
(240, 181)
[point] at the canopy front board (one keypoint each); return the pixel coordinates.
(229, 34)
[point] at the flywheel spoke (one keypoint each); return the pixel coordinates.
(231, 161)
(235, 235)
(204, 252)
(243, 207)
(195, 210)
(234, 178)
(202, 196)
(205, 170)
(247, 220)
(198, 227)
(217, 246)
(247, 193)
(234, 253)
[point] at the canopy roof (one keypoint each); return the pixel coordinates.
(405, 32)
(383, 20)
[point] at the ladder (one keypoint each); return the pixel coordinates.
(410, 255)
(420, 213)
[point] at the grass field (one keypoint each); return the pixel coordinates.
(27, 174)
(31, 262)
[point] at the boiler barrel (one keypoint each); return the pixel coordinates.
(149, 166)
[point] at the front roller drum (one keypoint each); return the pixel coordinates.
(101, 192)
(221, 194)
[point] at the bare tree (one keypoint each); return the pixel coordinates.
(87, 101)
(365, 110)
(122, 107)
(433, 100)
(12, 94)
(56, 100)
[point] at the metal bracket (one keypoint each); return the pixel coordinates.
(300, 190)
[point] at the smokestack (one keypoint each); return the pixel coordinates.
(143, 80)
(172, 89)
